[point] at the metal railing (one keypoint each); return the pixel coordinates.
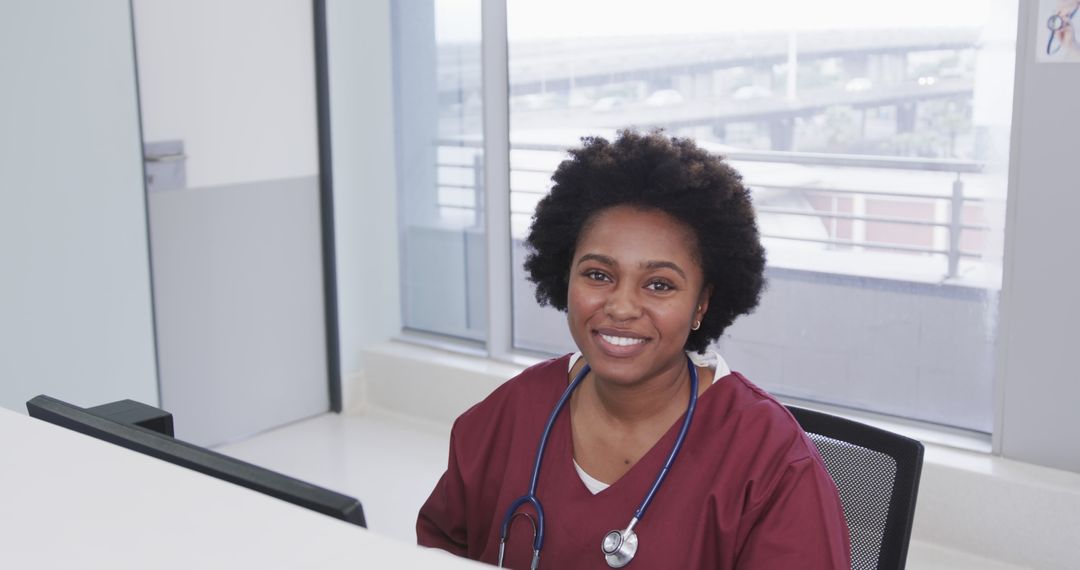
(463, 193)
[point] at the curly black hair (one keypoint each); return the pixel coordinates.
(653, 172)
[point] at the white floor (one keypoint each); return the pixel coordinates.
(391, 464)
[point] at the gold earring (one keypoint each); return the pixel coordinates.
(695, 326)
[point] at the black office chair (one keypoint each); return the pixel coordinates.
(877, 474)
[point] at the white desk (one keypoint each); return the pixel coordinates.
(71, 501)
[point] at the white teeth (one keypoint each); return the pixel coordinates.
(621, 340)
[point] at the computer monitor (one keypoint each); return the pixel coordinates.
(125, 428)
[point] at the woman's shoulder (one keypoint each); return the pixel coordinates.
(756, 415)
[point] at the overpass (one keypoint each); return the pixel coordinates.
(539, 67)
(721, 111)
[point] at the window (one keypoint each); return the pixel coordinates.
(873, 135)
(439, 127)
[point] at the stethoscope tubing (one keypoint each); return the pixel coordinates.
(531, 498)
(1055, 23)
(678, 442)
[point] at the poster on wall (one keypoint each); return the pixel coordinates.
(1057, 33)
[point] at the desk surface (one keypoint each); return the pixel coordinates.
(69, 500)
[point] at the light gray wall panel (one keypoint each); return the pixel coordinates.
(75, 309)
(238, 291)
(1040, 308)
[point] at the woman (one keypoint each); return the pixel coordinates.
(650, 246)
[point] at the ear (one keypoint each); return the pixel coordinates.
(703, 303)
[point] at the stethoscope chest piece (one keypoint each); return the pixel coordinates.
(1055, 22)
(619, 547)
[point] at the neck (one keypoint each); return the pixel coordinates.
(660, 397)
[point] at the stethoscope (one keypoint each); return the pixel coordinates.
(1056, 23)
(619, 546)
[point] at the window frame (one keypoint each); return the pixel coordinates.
(495, 81)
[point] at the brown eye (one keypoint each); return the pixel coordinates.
(596, 275)
(659, 286)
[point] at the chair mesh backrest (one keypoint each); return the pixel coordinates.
(864, 478)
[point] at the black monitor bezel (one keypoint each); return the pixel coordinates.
(199, 459)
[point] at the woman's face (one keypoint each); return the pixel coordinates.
(635, 289)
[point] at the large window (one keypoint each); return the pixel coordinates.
(873, 136)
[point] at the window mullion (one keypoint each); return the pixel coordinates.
(495, 75)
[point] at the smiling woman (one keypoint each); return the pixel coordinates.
(650, 246)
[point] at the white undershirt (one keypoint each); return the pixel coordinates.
(593, 485)
(710, 359)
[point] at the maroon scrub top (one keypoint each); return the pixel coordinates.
(747, 491)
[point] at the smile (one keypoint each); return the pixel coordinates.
(621, 340)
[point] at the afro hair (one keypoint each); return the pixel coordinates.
(653, 172)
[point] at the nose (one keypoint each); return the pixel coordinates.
(622, 304)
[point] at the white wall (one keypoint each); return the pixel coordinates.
(1040, 306)
(234, 81)
(75, 308)
(365, 201)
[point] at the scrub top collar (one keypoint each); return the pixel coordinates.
(711, 359)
